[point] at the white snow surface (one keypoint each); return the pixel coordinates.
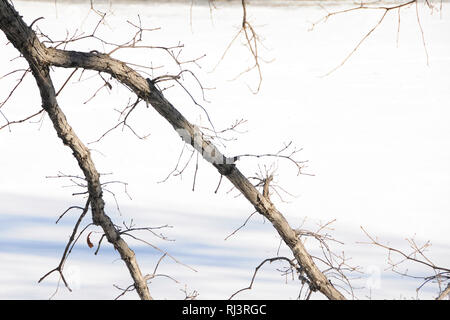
(375, 133)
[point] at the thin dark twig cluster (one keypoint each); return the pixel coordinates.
(189, 295)
(385, 10)
(129, 230)
(147, 278)
(292, 270)
(174, 53)
(8, 97)
(69, 246)
(265, 180)
(335, 265)
(397, 258)
(186, 154)
(252, 41)
(292, 265)
(124, 115)
(80, 183)
(91, 182)
(287, 152)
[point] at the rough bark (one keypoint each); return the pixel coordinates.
(40, 57)
(445, 293)
(25, 40)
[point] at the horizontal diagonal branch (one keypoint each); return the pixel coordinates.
(27, 43)
(191, 134)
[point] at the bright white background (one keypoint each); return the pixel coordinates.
(375, 133)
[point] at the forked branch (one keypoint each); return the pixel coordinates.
(40, 58)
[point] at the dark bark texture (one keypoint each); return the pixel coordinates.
(40, 58)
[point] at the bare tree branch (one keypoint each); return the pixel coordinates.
(270, 260)
(66, 252)
(26, 41)
(40, 58)
(372, 6)
(417, 256)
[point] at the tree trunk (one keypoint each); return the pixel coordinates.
(39, 57)
(25, 40)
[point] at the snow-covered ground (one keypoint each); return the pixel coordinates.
(376, 134)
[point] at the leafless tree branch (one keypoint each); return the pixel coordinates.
(40, 58)
(385, 10)
(417, 256)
